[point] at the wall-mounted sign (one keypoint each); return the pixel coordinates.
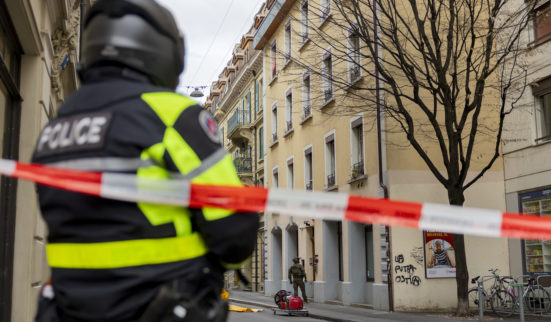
(439, 254)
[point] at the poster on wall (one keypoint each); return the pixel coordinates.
(439, 254)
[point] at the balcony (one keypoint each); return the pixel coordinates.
(354, 73)
(243, 165)
(307, 111)
(357, 170)
(330, 180)
(238, 128)
(328, 94)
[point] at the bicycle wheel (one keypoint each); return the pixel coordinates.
(503, 303)
(473, 300)
(537, 299)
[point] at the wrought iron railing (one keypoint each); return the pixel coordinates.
(331, 180)
(354, 73)
(307, 109)
(274, 137)
(325, 12)
(243, 165)
(328, 94)
(289, 126)
(357, 169)
(237, 119)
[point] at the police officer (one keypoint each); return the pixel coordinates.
(121, 261)
(296, 276)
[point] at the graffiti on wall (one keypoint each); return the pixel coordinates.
(404, 273)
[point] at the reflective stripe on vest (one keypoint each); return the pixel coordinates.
(126, 253)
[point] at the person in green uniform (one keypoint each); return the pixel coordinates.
(297, 276)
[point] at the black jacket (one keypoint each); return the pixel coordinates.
(111, 124)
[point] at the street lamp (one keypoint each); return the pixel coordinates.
(196, 93)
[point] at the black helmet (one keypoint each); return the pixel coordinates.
(139, 34)
(296, 260)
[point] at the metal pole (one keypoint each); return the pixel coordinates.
(520, 299)
(481, 301)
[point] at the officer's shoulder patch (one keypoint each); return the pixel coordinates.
(208, 124)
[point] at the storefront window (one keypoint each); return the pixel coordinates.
(537, 253)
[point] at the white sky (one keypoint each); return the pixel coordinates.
(200, 21)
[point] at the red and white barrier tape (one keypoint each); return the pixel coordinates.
(319, 205)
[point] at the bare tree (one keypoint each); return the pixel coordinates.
(448, 72)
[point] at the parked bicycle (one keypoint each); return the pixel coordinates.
(499, 283)
(534, 297)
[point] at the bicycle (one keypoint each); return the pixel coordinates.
(500, 283)
(535, 298)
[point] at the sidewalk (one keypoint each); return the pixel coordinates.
(330, 312)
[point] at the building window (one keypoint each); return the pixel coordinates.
(248, 99)
(274, 60)
(275, 178)
(306, 96)
(289, 110)
(256, 98)
(308, 170)
(536, 258)
(274, 122)
(354, 54)
(260, 94)
(542, 23)
(330, 162)
(542, 94)
(290, 175)
(325, 10)
(304, 19)
(327, 74)
(544, 103)
(357, 148)
(369, 255)
(340, 250)
(261, 143)
(287, 42)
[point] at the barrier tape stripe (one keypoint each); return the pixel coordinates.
(319, 205)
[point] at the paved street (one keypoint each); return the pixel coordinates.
(267, 315)
(329, 312)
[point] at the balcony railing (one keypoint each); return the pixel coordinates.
(325, 12)
(236, 120)
(328, 94)
(307, 109)
(354, 73)
(357, 169)
(274, 137)
(331, 180)
(309, 185)
(243, 165)
(289, 125)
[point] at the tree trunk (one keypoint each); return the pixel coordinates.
(456, 197)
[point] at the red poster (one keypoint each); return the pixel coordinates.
(439, 254)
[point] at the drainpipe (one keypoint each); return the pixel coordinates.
(255, 183)
(255, 139)
(382, 184)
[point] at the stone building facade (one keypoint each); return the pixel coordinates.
(39, 48)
